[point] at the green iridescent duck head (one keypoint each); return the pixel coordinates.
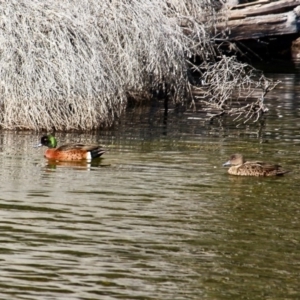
(48, 141)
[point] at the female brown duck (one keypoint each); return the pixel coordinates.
(240, 167)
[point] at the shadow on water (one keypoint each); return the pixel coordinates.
(157, 217)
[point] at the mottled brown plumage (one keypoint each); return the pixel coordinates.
(240, 167)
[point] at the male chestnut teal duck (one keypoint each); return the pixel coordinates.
(240, 167)
(69, 152)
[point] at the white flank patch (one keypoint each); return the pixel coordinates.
(89, 156)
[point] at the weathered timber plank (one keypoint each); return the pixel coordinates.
(262, 26)
(270, 8)
(245, 5)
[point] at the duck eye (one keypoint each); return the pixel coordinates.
(44, 139)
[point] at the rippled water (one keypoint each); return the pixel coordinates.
(158, 217)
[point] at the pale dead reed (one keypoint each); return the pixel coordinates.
(73, 64)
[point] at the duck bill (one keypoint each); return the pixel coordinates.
(227, 164)
(38, 145)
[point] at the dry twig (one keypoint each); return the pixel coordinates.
(231, 88)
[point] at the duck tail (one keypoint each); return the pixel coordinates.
(282, 172)
(97, 152)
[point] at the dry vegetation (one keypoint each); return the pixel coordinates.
(73, 64)
(234, 89)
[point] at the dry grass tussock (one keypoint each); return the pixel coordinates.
(73, 64)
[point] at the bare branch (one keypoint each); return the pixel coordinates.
(233, 89)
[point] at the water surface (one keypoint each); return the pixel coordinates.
(158, 217)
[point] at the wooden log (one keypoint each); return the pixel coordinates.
(263, 8)
(295, 49)
(262, 26)
(244, 5)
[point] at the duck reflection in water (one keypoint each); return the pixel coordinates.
(77, 165)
